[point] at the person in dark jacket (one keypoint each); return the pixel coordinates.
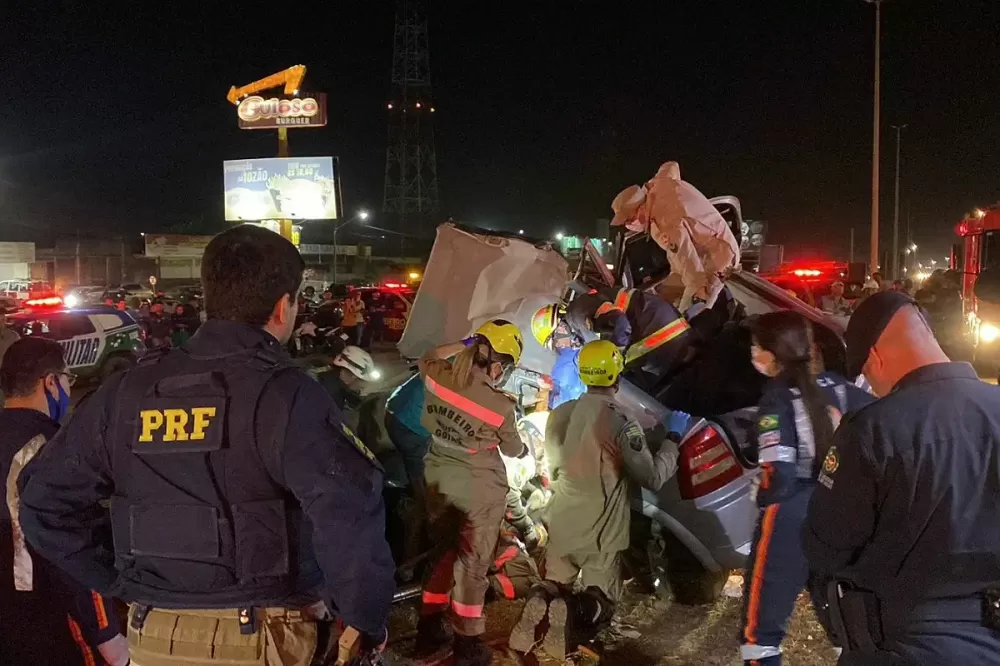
(243, 510)
(47, 618)
(903, 530)
(795, 421)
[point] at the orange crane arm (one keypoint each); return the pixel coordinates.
(291, 78)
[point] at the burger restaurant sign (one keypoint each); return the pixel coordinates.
(256, 112)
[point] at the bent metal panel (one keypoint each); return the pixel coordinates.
(290, 188)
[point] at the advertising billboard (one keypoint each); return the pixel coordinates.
(281, 188)
(175, 245)
(306, 110)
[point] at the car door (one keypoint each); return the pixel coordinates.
(80, 339)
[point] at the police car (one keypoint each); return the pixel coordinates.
(98, 341)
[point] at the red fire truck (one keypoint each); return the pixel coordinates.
(979, 249)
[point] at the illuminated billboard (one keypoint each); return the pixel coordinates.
(256, 112)
(281, 188)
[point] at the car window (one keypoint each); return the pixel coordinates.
(62, 327)
(107, 321)
(645, 261)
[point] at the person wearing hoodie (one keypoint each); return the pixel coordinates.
(700, 245)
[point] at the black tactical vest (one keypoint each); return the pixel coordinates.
(197, 520)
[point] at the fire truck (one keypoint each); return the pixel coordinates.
(979, 250)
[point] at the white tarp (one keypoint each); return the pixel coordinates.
(471, 278)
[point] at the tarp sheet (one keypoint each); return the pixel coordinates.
(471, 278)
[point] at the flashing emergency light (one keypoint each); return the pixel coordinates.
(806, 272)
(48, 302)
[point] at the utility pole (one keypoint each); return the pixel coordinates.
(895, 216)
(851, 256)
(875, 132)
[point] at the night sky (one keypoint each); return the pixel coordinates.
(117, 120)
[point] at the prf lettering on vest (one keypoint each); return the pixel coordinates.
(178, 425)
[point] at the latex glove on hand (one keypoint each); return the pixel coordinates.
(677, 424)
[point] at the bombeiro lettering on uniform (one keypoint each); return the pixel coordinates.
(174, 423)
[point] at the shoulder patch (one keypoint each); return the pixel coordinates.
(831, 462)
(636, 438)
(770, 438)
(768, 422)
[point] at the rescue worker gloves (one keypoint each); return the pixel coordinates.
(544, 322)
(601, 363)
(503, 337)
(677, 424)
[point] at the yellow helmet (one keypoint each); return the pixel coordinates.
(544, 322)
(504, 337)
(600, 363)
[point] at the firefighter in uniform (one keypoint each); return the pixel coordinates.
(470, 422)
(593, 450)
(795, 421)
(243, 511)
(903, 530)
(656, 337)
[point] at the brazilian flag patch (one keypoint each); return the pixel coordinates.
(768, 422)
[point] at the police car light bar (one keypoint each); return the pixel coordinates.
(51, 301)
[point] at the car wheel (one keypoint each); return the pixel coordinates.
(676, 572)
(114, 365)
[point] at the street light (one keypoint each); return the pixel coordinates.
(559, 235)
(895, 215)
(520, 231)
(362, 215)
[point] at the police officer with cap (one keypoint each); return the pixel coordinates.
(903, 529)
(243, 511)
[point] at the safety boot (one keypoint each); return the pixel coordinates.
(554, 643)
(433, 634)
(471, 651)
(522, 638)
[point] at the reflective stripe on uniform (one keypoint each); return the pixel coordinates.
(99, 610)
(467, 610)
(85, 652)
(748, 652)
(464, 404)
(807, 442)
(506, 585)
(506, 556)
(623, 299)
(435, 598)
(778, 453)
(841, 392)
(656, 340)
(757, 577)
(604, 309)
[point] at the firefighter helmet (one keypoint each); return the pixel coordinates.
(544, 322)
(601, 362)
(503, 337)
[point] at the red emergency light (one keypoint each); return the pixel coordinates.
(48, 302)
(393, 285)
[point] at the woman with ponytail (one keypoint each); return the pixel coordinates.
(471, 421)
(797, 414)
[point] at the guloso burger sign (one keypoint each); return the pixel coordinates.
(255, 112)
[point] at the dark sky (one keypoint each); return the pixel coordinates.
(117, 120)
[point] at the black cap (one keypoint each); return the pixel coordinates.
(868, 323)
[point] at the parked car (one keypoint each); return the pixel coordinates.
(700, 525)
(98, 341)
(85, 295)
(23, 289)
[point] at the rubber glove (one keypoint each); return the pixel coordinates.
(677, 424)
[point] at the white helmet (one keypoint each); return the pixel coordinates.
(358, 361)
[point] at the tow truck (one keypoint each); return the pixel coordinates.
(979, 249)
(700, 525)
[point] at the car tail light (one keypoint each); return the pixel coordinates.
(706, 464)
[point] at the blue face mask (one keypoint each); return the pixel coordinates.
(58, 408)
